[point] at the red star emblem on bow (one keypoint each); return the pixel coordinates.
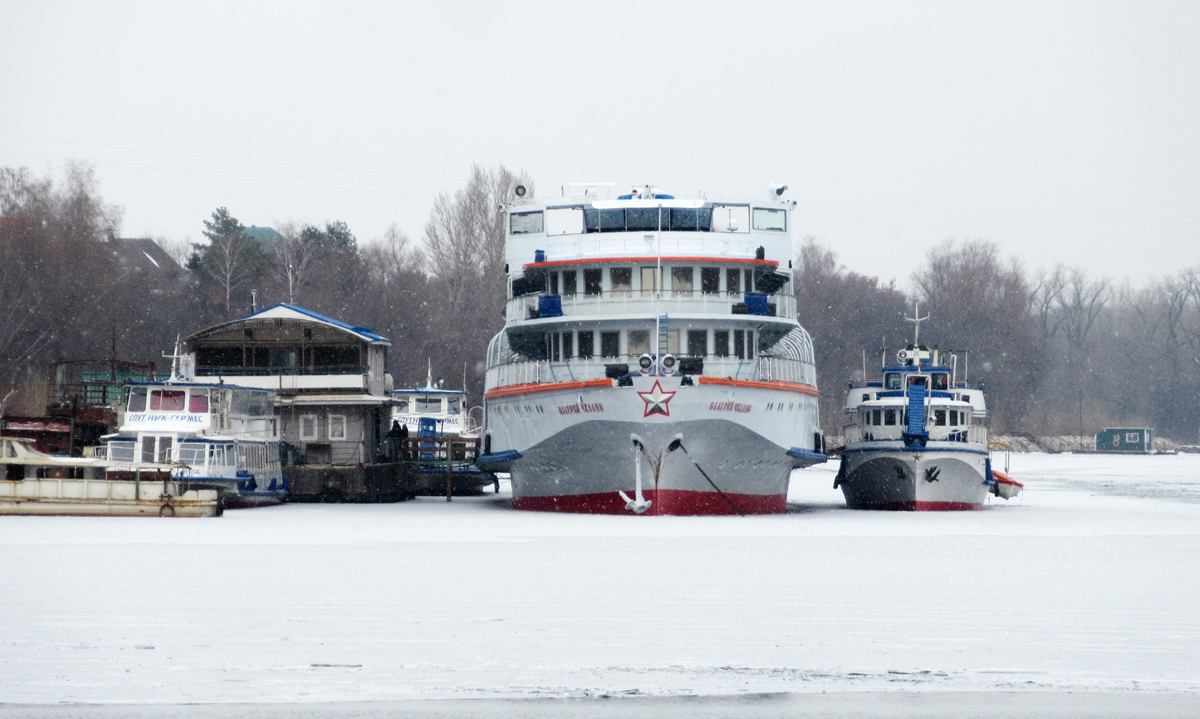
(656, 400)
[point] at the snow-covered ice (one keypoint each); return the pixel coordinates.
(1090, 581)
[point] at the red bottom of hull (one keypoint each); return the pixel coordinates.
(663, 502)
(924, 506)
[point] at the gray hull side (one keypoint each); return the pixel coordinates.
(929, 480)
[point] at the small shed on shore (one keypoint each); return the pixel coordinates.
(1133, 440)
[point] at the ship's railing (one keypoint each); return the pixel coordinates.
(636, 302)
(765, 369)
(976, 434)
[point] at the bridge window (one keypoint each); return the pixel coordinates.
(564, 220)
(766, 219)
(693, 219)
(612, 220)
(166, 400)
(892, 380)
(953, 418)
(641, 219)
(137, 400)
(939, 417)
(876, 416)
(731, 218)
(889, 416)
(198, 401)
(939, 380)
(525, 223)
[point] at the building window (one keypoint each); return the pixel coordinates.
(710, 280)
(337, 426)
(592, 281)
(721, 343)
(586, 348)
(308, 427)
(697, 343)
(610, 344)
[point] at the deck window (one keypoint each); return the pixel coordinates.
(166, 400)
(587, 348)
(939, 380)
(568, 282)
(876, 416)
(198, 401)
(889, 416)
(721, 343)
(525, 223)
(766, 219)
(682, 279)
(939, 417)
(554, 283)
(710, 280)
(555, 346)
(592, 280)
(733, 281)
(739, 344)
(673, 342)
(621, 279)
(610, 344)
(639, 342)
(137, 400)
(650, 284)
(953, 418)
(697, 343)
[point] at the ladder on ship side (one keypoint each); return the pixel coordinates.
(662, 336)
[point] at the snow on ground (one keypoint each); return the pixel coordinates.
(1088, 582)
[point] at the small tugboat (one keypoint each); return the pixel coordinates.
(918, 440)
(218, 436)
(442, 437)
(32, 482)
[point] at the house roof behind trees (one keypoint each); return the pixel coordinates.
(144, 256)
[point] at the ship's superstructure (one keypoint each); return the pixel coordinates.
(652, 360)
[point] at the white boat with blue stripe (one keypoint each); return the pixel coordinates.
(918, 439)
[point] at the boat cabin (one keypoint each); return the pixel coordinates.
(430, 411)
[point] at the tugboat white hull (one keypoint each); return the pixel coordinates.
(914, 480)
(577, 453)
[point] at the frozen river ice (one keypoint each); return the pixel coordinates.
(1088, 583)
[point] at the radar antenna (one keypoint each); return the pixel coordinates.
(917, 322)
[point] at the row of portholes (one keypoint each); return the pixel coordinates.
(519, 409)
(778, 408)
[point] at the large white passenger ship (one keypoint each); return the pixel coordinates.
(651, 361)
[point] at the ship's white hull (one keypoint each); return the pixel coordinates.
(577, 451)
(927, 479)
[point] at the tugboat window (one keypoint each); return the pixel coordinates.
(454, 405)
(889, 416)
(525, 223)
(166, 400)
(198, 401)
(892, 381)
(953, 418)
(875, 416)
(939, 380)
(137, 400)
(939, 417)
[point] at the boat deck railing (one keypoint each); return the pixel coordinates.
(648, 303)
(937, 433)
(761, 368)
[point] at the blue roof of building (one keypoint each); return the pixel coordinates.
(361, 331)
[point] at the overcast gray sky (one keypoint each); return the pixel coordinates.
(1065, 132)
